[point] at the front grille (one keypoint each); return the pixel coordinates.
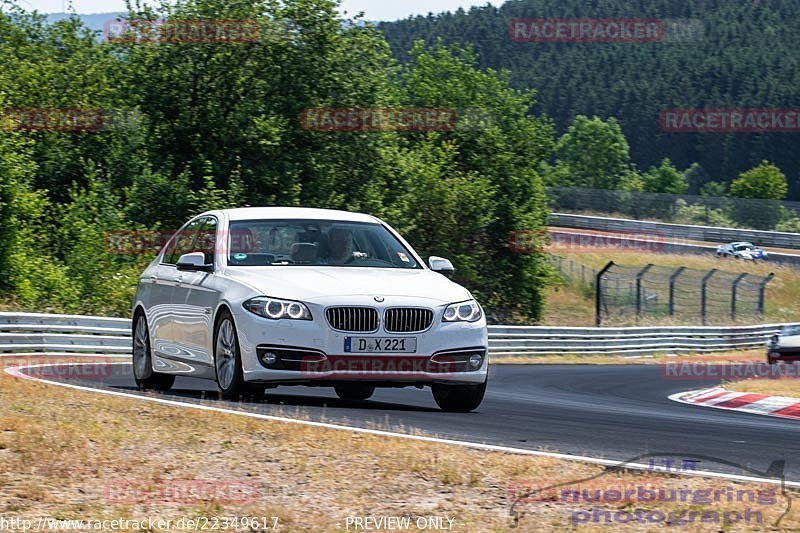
(363, 319)
(407, 320)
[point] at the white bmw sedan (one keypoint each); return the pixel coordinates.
(259, 297)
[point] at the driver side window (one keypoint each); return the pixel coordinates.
(183, 242)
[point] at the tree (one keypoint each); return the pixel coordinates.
(714, 189)
(594, 152)
(700, 64)
(221, 125)
(764, 181)
(19, 204)
(761, 189)
(500, 156)
(665, 179)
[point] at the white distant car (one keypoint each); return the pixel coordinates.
(259, 297)
(742, 250)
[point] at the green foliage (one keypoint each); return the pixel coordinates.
(791, 225)
(594, 154)
(713, 189)
(764, 181)
(735, 54)
(488, 180)
(218, 125)
(701, 215)
(665, 178)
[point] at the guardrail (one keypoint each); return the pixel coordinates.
(33, 334)
(23, 334)
(526, 340)
(696, 233)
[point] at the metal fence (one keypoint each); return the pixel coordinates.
(574, 271)
(740, 212)
(704, 296)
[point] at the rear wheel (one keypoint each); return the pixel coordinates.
(459, 398)
(146, 378)
(354, 392)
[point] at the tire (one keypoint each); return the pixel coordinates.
(146, 378)
(354, 392)
(458, 398)
(228, 359)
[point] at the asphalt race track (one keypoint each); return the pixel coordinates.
(610, 412)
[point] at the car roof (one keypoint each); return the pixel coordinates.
(741, 242)
(267, 213)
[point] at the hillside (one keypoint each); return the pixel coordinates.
(737, 54)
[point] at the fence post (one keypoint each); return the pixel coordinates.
(639, 277)
(761, 291)
(672, 279)
(598, 297)
(734, 289)
(703, 295)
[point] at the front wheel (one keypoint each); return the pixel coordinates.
(459, 398)
(228, 359)
(146, 378)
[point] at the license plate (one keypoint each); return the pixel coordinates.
(380, 345)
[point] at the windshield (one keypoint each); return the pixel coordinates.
(315, 243)
(744, 246)
(790, 331)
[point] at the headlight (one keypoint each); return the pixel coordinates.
(468, 311)
(278, 309)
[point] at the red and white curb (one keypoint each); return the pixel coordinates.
(746, 402)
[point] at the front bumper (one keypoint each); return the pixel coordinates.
(783, 354)
(320, 358)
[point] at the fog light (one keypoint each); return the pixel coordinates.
(475, 360)
(270, 358)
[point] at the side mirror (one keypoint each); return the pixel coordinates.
(194, 262)
(440, 264)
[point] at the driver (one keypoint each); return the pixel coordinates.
(341, 246)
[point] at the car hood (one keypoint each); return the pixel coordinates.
(790, 341)
(312, 283)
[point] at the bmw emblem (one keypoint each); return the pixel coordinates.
(379, 299)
